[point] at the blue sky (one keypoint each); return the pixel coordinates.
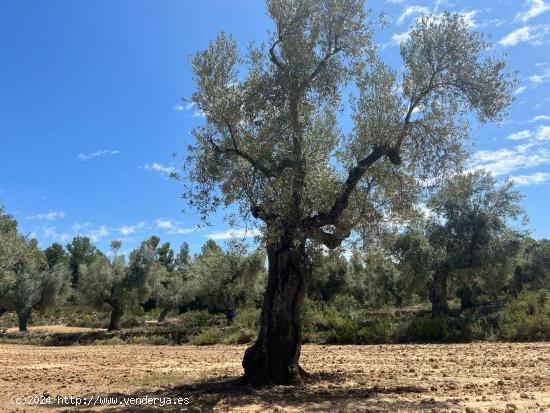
(91, 110)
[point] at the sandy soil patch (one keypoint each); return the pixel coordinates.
(479, 377)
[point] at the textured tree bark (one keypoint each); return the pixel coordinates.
(274, 358)
(162, 315)
(438, 296)
(116, 315)
(23, 318)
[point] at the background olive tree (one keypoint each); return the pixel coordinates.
(116, 283)
(27, 283)
(466, 239)
(226, 279)
(173, 288)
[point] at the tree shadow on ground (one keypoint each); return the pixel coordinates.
(325, 392)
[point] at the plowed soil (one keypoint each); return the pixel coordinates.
(479, 377)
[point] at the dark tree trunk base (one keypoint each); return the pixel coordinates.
(23, 319)
(466, 298)
(162, 316)
(274, 358)
(438, 296)
(116, 315)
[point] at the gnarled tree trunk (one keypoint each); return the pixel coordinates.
(116, 315)
(229, 309)
(438, 295)
(162, 315)
(274, 358)
(23, 318)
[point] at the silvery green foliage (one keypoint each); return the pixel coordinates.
(26, 282)
(273, 141)
(468, 234)
(171, 289)
(227, 278)
(116, 283)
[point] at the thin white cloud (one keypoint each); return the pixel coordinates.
(49, 216)
(524, 134)
(519, 90)
(410, 11)
(233, 233)
(97, 154)
(188, 107)
(508, 160)
(51, 233)
(95, 233)
(536, 7)
(491, 23)
(469, 18)
(543, 133)
(437, 4)
(539, 118)
(533, 35)
(173, 227)
(183, 108)
(541, 78)
(158, 167)
(398, 38)
(533, 179)
(131, 229)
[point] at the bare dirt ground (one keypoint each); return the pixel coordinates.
(61, 328)
(484, 377)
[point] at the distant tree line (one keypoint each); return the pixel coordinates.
(216, 279)
(464, 245)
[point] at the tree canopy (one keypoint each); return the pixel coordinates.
(273, 142)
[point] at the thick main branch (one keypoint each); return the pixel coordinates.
(355, 174)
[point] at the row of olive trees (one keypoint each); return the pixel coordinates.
(216, 279)
(32, 279)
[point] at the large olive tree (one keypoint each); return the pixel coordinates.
(273, 142)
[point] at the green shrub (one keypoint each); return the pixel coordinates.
(247, 318)
(133, 321)
(428, 329)
(346, 306)
(201, 318)
(342, 331)
(379, 330)
(241, 336)
(111, 341)
(526, 318)
(207, 336)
